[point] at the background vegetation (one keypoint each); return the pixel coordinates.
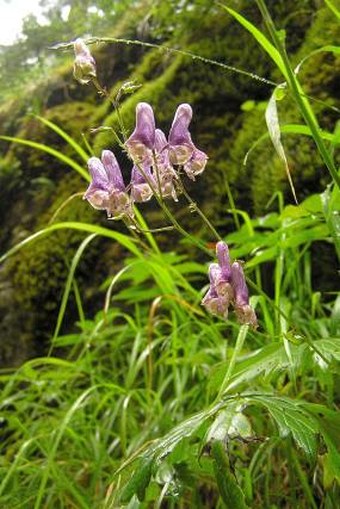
(126, 393)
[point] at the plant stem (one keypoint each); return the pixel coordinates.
(298, 94)
(237, 349)
(196, 208)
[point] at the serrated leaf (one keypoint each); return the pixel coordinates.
(292, 419)
(269, 359)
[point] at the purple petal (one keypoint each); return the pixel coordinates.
(160, 141)
(214, 274)
(140, 188)
(98, 173)
(98, 198)
(246, 315)
(114, 174)
(196, 164)
(244, 312)
(222, 252)
(239, 284)
(107, 190)
(163, 169)
(180, 143)
(142, 140)
(179, 132)
(215, 305)
(119, 204)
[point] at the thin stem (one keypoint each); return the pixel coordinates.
(169, 214)
(232, 204)
(115, 104)
(196, 208)
(237, 350)
(169, 49)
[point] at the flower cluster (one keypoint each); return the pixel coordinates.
(156, 161)
(228, 287)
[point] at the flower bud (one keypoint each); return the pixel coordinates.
(84, 67)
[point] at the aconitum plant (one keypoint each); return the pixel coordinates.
(157, 165)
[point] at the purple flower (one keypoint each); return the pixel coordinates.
(244, 312)
(216, 304)
(182, 150)
(165, 173)
(220, 293)
(142, 141)
(140, 186)
(84, 67)
(196, 164)
(228, 286)
(107, 189)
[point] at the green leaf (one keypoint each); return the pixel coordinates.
(260, 38)
(273, 125)
(333, 8)
(292, 419)
(55, 153)
(138, 482)
(80, 151)
(229, 423)
(230, 491)
(124, 240)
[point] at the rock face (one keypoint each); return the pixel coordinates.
(229, 111)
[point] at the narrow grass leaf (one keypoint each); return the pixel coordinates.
(55, 153)
(80, 151)
(124, 240)
(272, 120)
(334, 9)
(74, 264)
(260, 38)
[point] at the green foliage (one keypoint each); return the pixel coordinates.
(148, 401)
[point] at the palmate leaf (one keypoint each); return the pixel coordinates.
(292, 419)
(272, 359)
(298, 419)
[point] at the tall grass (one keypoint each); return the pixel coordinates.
(154, 403)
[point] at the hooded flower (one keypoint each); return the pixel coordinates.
(107, 189)
(244, 312)
(84, 67)
(220, 293)
(182, 150)
(228, 286)
(142, 141)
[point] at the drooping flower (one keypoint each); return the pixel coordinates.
(84, 67)
(244, 312)
(107, 189)
(142, 141)
(212, 301)
(220, 293)
(228, 286)
(140, 184)
(182, 150)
